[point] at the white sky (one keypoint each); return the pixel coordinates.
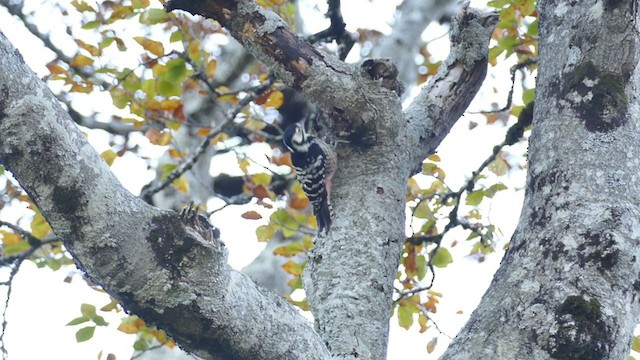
(42, 303)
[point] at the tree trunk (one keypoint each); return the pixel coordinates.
(568, 287)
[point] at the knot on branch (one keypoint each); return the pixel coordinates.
(385, 71)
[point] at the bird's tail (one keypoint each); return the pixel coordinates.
(323, 213)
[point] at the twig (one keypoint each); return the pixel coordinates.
(158, 185)
(424, 312)
(336, 30)
(149, 349)
(514, 133)
(513, 70)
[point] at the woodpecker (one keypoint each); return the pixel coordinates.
(315, 163)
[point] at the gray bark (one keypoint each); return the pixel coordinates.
(173, 275)
(568, 287)
(402, 44)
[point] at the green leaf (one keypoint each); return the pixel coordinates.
(78, 320)
(265, 232)
(168, 89)
(528, 95)
(423, 211)
(176, 70)
(421, 267)
(54, 264)
(85, 333)
(285, 223)
(99, 320)
(532, 29)
(88, 310)
(139, 4)
(153, 16)
(289, 250)
(176, 36)
(120, 97)
(140, 345)
(295, 283)
(493, 189)
(91, 25)
(441, 258)
(405, 316)
(1, 169)
(475, 197)
(16, 248)
(635, 346)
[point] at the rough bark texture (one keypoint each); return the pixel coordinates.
(170, 273)
(174, 275)
(349, 279)
(568, 287)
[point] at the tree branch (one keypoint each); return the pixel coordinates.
(165, 268)
(439, 105)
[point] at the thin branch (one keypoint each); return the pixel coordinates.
(149, 349)
(158, 185)
(16, 10)
(336, 30)
(424, 312)
(513, 70)
(514, 133)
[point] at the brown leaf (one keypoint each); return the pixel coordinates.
(251, 215)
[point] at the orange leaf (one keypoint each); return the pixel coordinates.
(251, 215)
(299, 203)
(203, 132)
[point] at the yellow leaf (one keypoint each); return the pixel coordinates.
(154, 47)
(158, 69)
(275, 100)
(39, 226)
(56, 69)
(9, 238)
(211, 68)
(244, 165)
(170, 105)
(164, 139)
(293, 268)
(90, 48)
(79, 88)
(128, 328)
(170, 344)
(182, 184)
(81, 60)
(109, 156)
(219, 138)
(193, 50)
